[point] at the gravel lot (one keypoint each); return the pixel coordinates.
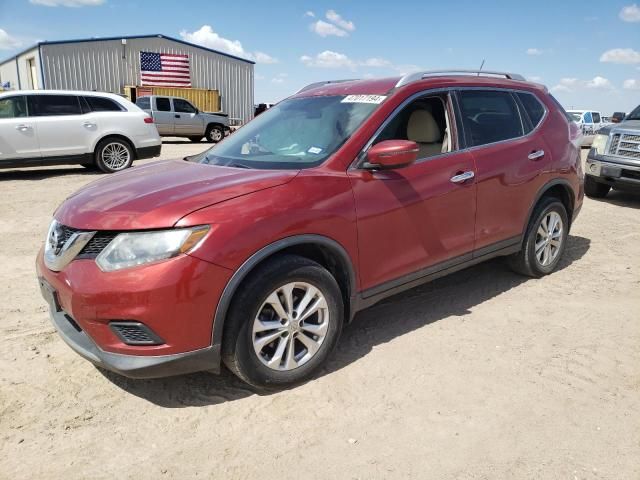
(483, 374)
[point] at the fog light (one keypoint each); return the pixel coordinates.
(593, 168)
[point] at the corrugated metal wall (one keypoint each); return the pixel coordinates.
(110, 66)
(16, 71)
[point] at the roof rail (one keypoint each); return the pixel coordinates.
(324, 82)
(414, 77)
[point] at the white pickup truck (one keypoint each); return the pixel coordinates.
(177, 117)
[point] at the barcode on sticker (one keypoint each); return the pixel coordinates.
(364, 99)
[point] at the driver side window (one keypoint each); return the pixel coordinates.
(424, 121)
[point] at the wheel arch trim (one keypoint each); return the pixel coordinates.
(545, 188)
(247, 267)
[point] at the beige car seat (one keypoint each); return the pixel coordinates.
(423, 129)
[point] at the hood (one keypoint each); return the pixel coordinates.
(625, 125)
(159, 194)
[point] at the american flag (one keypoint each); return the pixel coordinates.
(164, 69)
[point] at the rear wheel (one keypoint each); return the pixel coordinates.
(283, 324)
(214, 133)
(113, 155)
(545, 240)
(593, 189)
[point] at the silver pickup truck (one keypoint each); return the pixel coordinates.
(614, 158)
(177, 117)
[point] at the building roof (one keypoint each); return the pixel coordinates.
(125, 37)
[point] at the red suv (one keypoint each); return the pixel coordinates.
(257, 251)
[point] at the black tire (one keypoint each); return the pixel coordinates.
(110, 164)
(238, 351)
(594, 189)
(525, 261)
(195, 139)
(215, 133)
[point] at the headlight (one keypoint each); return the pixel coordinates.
(599, 143)
(137, 248)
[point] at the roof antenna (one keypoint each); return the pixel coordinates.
(481, 65)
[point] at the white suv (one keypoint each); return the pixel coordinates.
(59, 127)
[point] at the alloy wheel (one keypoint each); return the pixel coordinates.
(290, 326)
(549, 239)
(115, 156)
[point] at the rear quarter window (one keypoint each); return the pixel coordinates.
(102, 104)
(533, 107)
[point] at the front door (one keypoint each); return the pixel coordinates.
(187, 121)
(415, 220)
(18, 133)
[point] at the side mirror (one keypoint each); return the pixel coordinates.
(391, 154)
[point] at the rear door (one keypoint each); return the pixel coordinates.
(18, 135)
(163, 115)
(63, 129)
(187, 120)
(510, 159)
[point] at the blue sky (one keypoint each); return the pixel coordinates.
(586, 52)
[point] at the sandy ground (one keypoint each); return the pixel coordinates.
(483, 374)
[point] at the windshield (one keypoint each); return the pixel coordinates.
(635, 115)
(575, 116)
(296, 133)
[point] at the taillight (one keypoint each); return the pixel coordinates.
(148, 120)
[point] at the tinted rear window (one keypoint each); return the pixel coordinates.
(144, 103)
(533, 107)
(101, 104)
(489, 116)
(55, 105)
(163, 104)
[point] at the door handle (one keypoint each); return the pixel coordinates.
(463, 177)
(23, 128)
(177, 116)
(538, 154)
(89, 124)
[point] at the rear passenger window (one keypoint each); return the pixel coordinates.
(13, 107)
(533, 107)
(163, 105)
(489, 116)
(144, 103)
(55, 105)
(101, 104)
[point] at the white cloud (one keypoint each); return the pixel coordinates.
(68, 3)
(206, 37)
(565, 85)
(7, 42)
(337, 19)
(600, 83)
(329, 59)
(621, 55)
(280, 78)
(309, 13)
(630, 13)
(261, 57)
(534, 51)
(325, 29)
(631, 84)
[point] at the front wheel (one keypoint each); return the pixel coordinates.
(593, 189)
(283, 324)
(545, 240)
(215, 133)
(113, 155)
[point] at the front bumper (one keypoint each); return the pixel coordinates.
(607, 170)
(176, 299)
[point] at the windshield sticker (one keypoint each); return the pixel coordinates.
(376, 99)
(314, 150)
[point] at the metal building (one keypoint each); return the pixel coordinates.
(111, 64)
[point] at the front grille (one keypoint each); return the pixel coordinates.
(135, 333)
(97, 243)
(625, 145)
